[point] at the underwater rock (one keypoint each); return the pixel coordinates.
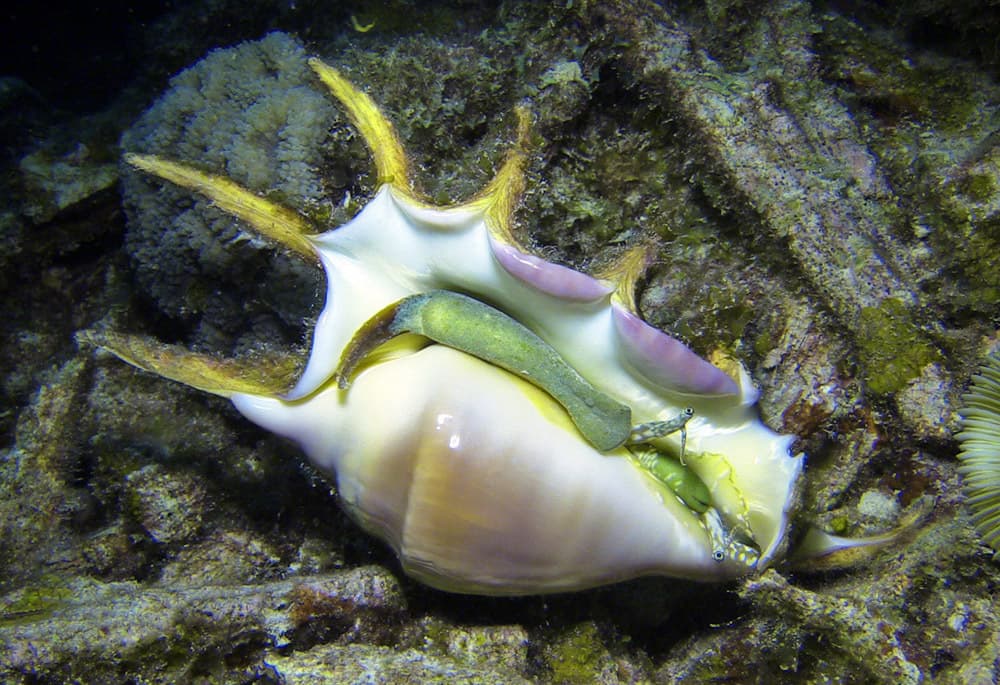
(168, 506)
(373, 663)
(55, 182)
(84, 630)
(917, 116)
(224, 557)
(872, 642)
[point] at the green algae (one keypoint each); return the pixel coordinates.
(503, 647)
(34, 602)
(931, 120)
(893, 84)
(839, 524)
(978, 187)
(891, 348)
(577, 655)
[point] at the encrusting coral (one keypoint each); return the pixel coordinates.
(254, 111)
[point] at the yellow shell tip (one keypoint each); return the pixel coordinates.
(224, 377)
(625, 272)
(267, 218)
(499, 198)
(378, 132)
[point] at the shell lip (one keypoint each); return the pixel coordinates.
(547, 277)
(667, 361)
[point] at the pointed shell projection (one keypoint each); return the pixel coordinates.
(478, 479)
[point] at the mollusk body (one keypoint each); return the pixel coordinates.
(479, 480)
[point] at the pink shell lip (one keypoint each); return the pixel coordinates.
(667, 361)
(553, 279)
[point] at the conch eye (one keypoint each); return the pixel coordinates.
(725, 546)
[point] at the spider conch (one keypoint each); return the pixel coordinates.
(480, 480)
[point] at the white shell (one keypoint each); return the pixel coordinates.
(481, 484)
(477, 479)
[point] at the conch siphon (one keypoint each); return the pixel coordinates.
(508, 425)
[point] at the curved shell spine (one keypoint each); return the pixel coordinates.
(478, 480)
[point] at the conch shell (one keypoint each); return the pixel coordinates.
(479, 479)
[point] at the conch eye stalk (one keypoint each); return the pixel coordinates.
(508, 425)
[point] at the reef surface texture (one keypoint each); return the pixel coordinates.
(822, 187)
